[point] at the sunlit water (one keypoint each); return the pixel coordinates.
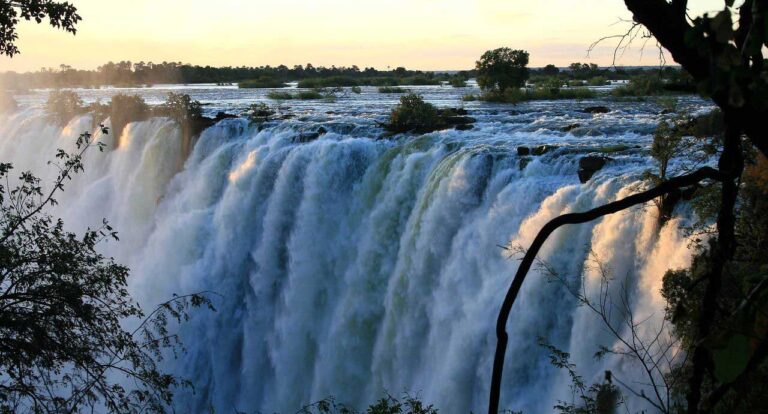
(351, 265)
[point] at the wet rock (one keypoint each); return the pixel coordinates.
(570, 127)
(523, 163)
(589, 165)
(596, 110)
(523, 151)
(463, 127)
(542, 149)
(305, 137)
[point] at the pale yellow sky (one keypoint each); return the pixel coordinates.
(418, 34)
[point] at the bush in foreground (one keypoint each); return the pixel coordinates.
(413, 115)
(63, 308)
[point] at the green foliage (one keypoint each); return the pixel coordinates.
(392, 89)
(458, 82)
(259, 113)
(62, 106)
(262, 82)
(598, 398)
(385, 405)
(414, 115)
(61, 15)
(469, 97)
(181, 108)
(550, 70)
(332, 81)
(647, 85)
(279, 96)
(310, 95)
(502, 69)
(63, 306)
(125, 109)
(356, 90)
(598, 81)
(517, 95)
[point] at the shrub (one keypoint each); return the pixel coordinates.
(516, 95)
(62, 106)
(332, 81)
(309, 95)
(356, 89)
(503, 68)
(414, 115)
(458, 82)
(598, 81)
(262, 82)
(259, 113)
(181, 108)
(279, 96)
(469, 98)
(645, 85)
(124, 109)
(391, 89)
(418, 81)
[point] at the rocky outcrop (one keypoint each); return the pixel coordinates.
(596, 110)
(570, 127)
(589, 165)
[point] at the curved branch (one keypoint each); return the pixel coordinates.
(573, 218)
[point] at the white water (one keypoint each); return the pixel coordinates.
(350, 266)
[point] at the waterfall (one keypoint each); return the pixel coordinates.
(350, 266)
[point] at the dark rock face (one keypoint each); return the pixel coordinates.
(596, 110)
(523, 151)
(570, 127)
(589, 165)
(463, 127)
(305, 137)
(542, 149)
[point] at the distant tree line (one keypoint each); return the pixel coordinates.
(127, 73)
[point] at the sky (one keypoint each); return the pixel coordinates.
(417, 34)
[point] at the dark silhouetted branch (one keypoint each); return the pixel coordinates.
(573, 218)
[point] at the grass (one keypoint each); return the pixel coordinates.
(279, 96)
(610, 149)
(301, 95)
(344, 81)
(458, 83)
(515, 95)
(261, 83)
(391, 89)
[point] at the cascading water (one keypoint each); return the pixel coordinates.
(351, 266)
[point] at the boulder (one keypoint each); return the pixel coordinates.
(570, 127)
(589, 165)
(542, 149)
(523, 151)
(596, 110)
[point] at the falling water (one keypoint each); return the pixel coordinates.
(351, 266)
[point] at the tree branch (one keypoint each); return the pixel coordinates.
(572, 218)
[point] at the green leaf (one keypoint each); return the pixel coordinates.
(731, 360)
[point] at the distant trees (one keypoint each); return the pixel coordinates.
(61, 15)
(550, 70)
(502, 68)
